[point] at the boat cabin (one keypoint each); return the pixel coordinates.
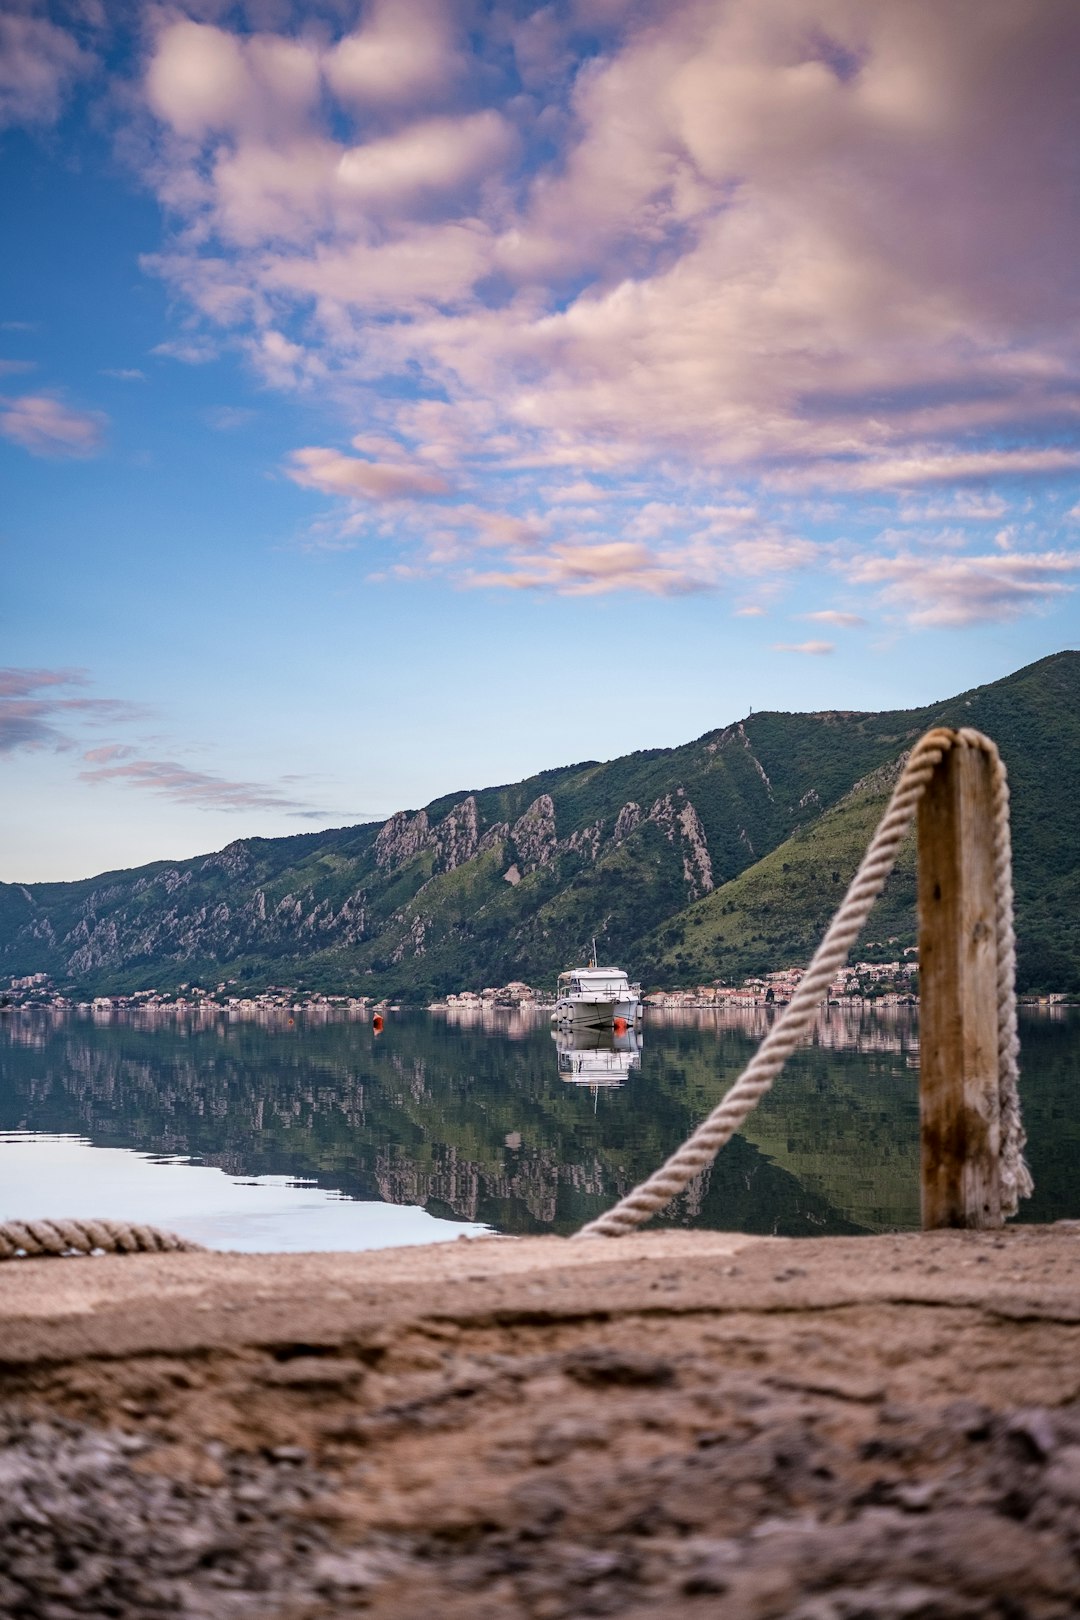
(600, 983)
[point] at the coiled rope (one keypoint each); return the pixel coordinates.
(23, 1240)
(701, 1148)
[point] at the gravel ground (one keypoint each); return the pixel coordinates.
(587, 1479)
(675, 1425)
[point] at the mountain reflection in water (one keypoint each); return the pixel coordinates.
(468, 1114)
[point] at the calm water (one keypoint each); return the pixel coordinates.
(274, 1133)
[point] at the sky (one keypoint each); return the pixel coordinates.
(402, 397)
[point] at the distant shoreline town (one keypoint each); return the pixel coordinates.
(883, 984)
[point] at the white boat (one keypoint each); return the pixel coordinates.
(596, 996)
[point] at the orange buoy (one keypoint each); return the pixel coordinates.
(377, 1023)
(620, 1026)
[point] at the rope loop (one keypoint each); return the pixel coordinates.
(26, 1240)
(702, 1146)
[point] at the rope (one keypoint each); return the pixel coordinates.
(701, 1148)
(21, 1240)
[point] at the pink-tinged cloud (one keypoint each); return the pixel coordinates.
(818, 244)
(36, 713)
(404, 54)
(494, 529)
(439, 154)
(22, 682)
(334, 473)
(951, 590)
(843, 621)
(812, 649)
(594, 570)
(199, 788)
(45, 426)
(948, 467)
(108, 754)
(965, 505)
(202, 79)
(39, 63)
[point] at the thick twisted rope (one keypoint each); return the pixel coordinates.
(20, 1240)
(701, 1148)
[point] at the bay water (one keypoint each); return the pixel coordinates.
(312, 1130)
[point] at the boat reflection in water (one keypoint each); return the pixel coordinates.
(597, 1056)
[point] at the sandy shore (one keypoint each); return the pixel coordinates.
(671, 1424)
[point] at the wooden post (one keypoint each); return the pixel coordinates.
(958, 1102)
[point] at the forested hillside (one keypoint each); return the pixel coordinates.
(707, 861)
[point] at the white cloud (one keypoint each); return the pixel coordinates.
(404, 53)
(45, 426)
(334, 473)
(203, 79)
(844, 621)
(944, 467)
(438, 154)
(811, 243)
(39, 63)
(967, 590)
(595, 569)
(812, 649)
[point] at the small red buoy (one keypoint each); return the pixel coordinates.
(620, 1026)
(377, 1023)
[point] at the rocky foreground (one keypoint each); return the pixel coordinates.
(675, 1424)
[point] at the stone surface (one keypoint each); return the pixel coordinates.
(673, 1424)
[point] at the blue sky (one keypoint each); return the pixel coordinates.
(401, 398)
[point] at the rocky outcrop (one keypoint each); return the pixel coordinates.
(677, 816)
(533, 835)
(400, 838)
(412, 943)
(101, 948)
(629, 817)
(585, 841)
(235, 859)
(497, 833)
(758, 766)
(352, 918)
(457, 837)
(737, 734)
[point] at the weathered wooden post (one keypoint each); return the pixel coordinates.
(959, 1107)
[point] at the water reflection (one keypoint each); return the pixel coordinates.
(465, 1115)
(597, 1057)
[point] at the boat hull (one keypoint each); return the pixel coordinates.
(596, 1014)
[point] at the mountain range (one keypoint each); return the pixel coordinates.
(709, 861)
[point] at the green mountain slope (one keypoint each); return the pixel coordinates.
(774, 913)
(690, 863)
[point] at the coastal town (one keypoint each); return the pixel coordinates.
(893, 983)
